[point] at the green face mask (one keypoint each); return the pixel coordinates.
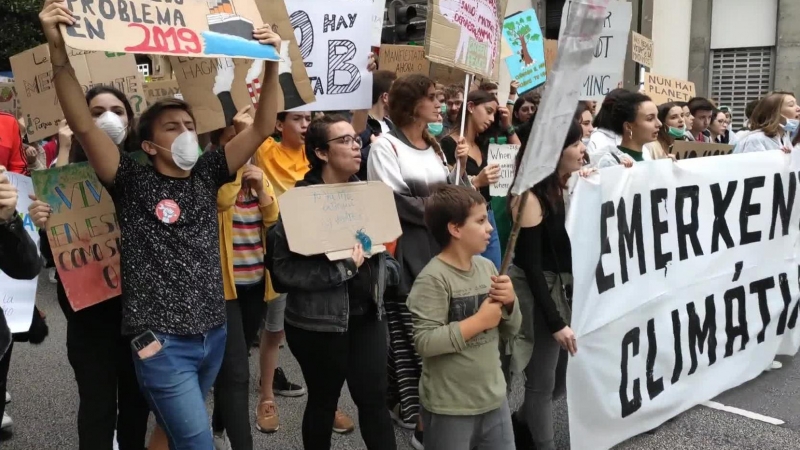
(677, 133)
(435, 128)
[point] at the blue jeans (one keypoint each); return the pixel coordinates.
(175, 382)
(492, 252)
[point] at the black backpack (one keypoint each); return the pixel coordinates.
(268, 261)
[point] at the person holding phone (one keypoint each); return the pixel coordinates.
(173, 300)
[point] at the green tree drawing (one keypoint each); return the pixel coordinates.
(21, 28)
(521, 33)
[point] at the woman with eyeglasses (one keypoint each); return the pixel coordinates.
(524, 108)
(334, 309)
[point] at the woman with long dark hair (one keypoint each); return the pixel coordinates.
(524, 108)
(635, 118)
(334, 323)
(100, 355)
(411, 162)
(604, 139)
(542, 277)
(673, 127)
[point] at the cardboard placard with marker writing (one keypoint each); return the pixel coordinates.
(689, 150)
(156, 90)
(199, 28)
(466, 34)
(641, 49)
(404, 59)
(665, 89)
(36, 92)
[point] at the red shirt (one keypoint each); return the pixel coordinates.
(11, 154)
(51, 150)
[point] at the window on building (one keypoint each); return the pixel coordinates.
(738, 76)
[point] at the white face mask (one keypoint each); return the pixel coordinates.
(585, 141)
(112, 125)
(185, 150)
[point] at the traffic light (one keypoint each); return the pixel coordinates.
(400, 15)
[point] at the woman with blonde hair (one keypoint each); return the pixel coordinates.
(773, 123)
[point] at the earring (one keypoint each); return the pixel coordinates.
(631, 134)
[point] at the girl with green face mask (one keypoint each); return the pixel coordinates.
(673, 128)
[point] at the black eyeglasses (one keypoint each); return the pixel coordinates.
(347, 140)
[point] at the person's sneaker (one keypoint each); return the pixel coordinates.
(342, 424)
(522, 435)
(774, 365)
(7, 422)
(398, 420)
(221, 442)
(52, 275)
(283, 387)
(8, 397)
(267, 420)
(416, 440)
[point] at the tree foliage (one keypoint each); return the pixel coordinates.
(521, 30)
(19, 28)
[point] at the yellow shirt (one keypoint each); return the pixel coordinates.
(283, 166)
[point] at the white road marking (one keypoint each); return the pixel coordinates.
(743, 413)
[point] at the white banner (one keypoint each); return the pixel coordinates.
(606, 69)
(334, 40)
(686, 285)
(17, 297)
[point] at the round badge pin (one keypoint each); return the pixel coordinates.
(168, 211)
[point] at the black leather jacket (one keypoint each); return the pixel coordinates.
(19, 259)
(317, 297)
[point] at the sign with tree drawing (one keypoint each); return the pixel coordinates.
(527, 62)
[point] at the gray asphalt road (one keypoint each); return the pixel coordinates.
(45, 403)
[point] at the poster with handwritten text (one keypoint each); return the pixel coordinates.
(335, 43)
(83, 233)
(202, 28)
(526, 63)
(17, 297)
(606, 69)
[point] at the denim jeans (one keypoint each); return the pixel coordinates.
(175, 382)
(492, 252)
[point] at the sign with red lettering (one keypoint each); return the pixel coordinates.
(205, 28)
(466, 34)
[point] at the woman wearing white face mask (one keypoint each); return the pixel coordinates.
(774, 123)
(100, 356)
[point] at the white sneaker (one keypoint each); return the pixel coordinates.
(221, 442)
(775, 365)
(8, 397)
(52, 275)
(6, 423)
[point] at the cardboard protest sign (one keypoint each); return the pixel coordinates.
(199, 28)
(688, 149)
(642, 49)
(550, 54)
(17, 297)
(465, 34)
(83, 233)
(378, 10)
(664, 89)
(696, 293)
(527, 63)
(156, 90)
(606, 70)
(8, 99)
(37, 95)
(447, 75)
(404, 59)
(334, 40)
(503, 155)
(326, 218)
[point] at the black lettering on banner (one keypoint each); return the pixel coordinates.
(627, 235)
(604, 282)
(660, 227)
(629, 406)
(676, 335)
(340, 53)
(749, 209)
(781, 205)
(683, 229)
(732, 331)
(761, 287)
(793, 317)
(721, 204)
(654, 387)
(301, 21)
(698, 335)
(783, 283)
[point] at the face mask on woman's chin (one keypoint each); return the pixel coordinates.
(585, 141)
(791, 126)
(435, 128)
